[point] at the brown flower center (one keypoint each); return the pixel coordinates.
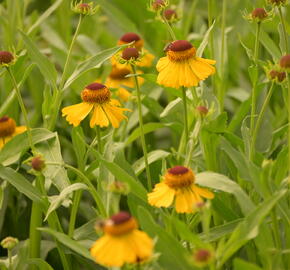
(96, 93)
(259, 13)
(120, 224)
(130, 37)
(130, 53)
(179, 177)
(180, 50)
(202, 255)
(6, 57)
(7, 126)
(285, 61)
(119, 73)
(170, 14)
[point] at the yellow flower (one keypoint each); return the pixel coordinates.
(96, 98)
(179, 184)
(122, 242)
(147, 58)
(8, 130)
(181, 66)
(117, 79)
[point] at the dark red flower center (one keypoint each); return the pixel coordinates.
(129, 53)
(121, 217)
(180, 45)
(259, 13)
(129, 37)
(6, 57)
(95, 86)
(169, 14)
(202, 255)
(4, 119)
(285, 61)
(178, 170)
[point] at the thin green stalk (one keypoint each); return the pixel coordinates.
(74, 211)
(64, 74)
(142, 135)
(259, 120)
(288, 78)
(169, 28)
(284, 29)
(254, 89)
(222, 66)
(23, 109)
(185, 113)
(210, 21)
(9, 259)
(99, 138)
(35, 222)
(276, 229)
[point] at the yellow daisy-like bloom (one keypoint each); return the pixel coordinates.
(8, 130)
(146, 60)
(181, 66)
(96, 98)
(178, 184)
(117, 79)
(122, 242)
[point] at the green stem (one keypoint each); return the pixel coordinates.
(284, 29)
(259, 120)
(222, 66)
(210, 21)
(74, 211)
(64, 74)
(185, 113)
(9, 259)
(35, 222)
(142, 135)
(276, 229)
(257, 43)
(169, 28)
(23, 109)
(99, 138)
(288, 78)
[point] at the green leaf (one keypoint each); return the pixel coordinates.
(205, 40)
(93, 62)
(121, 175)
(57, 200)
(79, 145)
(223, 183)
(249, 228)
(153, 156)
(45, 66)
(149, 127)
(70, 243)
(43, 265)
(44, 16)
(20, 183)
(240, 264)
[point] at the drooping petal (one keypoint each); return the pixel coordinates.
(203, 192)
(142, 244)
(76, 113)
(115, 114)
(19, 130)
(161, 196)
(99, 118)
(201, 68)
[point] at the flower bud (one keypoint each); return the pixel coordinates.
(37, 163)
(277, 2)
(170, 14)
(202, 257)
(9, 242)
(285, 62)
(259, 14)
(158, 4)
(119, 187)
(202, 110)
(84, 8)
(278, 76)
(130, 53)
(6, 57)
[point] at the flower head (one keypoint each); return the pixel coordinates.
(181, 66)
(138, 43)
(6, 58)
(277, 76)
(8, 129)
(157, 5)
(202, 110)
(277, 2)
(202, 257)
(9, 242)
(96, 98)
(178, 183)
(170, 15)
(117, 79)
(122, 242)
(259, 14)
(285, 62)
(84, 8)
(37, 163)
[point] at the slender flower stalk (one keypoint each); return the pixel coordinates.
(284, 29)
(259, 120)
(99, 138)
(35, 222)
(143, 141)
(67, 61)
(23, 109)
(288, 78)
(169, 28)
(186, 131)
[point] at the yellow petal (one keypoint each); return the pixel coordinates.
(99, 118)
(161, 196)
(76, 113)
(203, 192)
(1, 142)
(201, 69)
(19, 130)
(146, 60)
(142, 244)
(162, 63)
(115, 114)
(208, 61)
(184, 201)
(123, 94)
